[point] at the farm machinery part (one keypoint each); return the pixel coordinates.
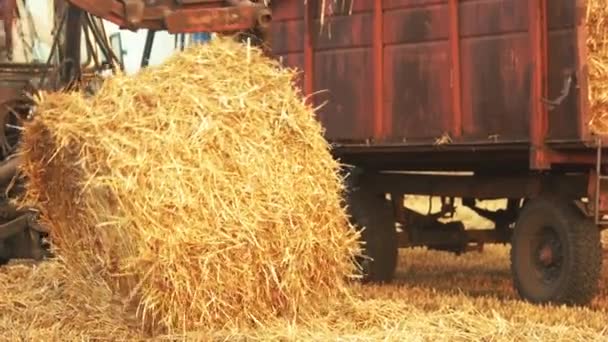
(79, 22)
(181, 16)
(21, 237)
(556, 253)
(420, 230)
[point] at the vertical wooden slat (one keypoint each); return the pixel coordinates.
(539, 157)
(309, 67)
(378, 70)
(456, 73)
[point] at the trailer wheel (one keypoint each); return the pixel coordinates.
(373, 213)
(556, 253)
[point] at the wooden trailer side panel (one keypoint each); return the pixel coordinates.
(415, 72)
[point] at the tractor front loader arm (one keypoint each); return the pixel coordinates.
(180, 16)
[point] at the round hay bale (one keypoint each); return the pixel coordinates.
(202, 190)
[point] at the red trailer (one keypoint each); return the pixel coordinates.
(469, 99)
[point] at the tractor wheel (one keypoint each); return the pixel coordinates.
(371, 212)
(556, 253)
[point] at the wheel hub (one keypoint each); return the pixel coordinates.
(546, 255)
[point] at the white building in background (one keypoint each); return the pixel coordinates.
(33, 37)
(32, 33)
(133, 46)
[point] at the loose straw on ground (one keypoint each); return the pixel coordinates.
(436, 298)
(48, 302)
(202, 190)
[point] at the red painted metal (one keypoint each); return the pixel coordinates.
(8, 11)
(538, 115)
(480, 186)
(309, 56)
(456, 73)
(215, 19)
(177, 16)
(473, 71)
(557, 157)
(378, 61)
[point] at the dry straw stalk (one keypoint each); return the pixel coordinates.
(202, 191)
(597, 23)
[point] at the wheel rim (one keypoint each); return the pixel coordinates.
(547, 253)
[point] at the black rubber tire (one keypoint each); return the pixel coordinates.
(576, 281)
(371, 212)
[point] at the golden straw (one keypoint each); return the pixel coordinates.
(202, 190)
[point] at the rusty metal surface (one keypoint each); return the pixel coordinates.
(405, 73)
(216, 20)
(72, 46)
(480, 186)
(14, 78)
(8, 12)
(538, 117)
(182, 16)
